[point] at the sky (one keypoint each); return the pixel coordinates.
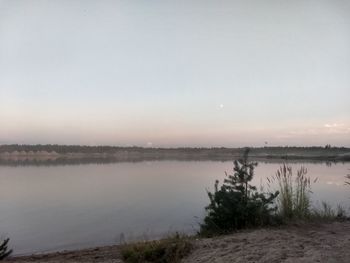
(175, 73)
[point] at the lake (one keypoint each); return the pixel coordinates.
(51, 208)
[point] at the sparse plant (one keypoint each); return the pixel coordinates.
(347, 182)
(169, 250)
(236, 203)
(327, 213)
(341, 212)
(4, 251)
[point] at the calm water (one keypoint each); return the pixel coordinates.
(48, 208)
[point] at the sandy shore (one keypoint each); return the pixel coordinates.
(296, 243)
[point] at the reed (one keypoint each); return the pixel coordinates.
(293, 202)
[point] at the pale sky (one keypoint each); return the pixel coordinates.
(175, 73)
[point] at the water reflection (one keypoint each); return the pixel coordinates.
(47, 208)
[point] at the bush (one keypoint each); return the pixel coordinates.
(4, 252)
(236, 204)
(169, 250)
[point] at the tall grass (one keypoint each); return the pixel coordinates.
(293, 202)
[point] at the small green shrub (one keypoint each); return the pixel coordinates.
(237, 204)
(294, 199)
(4, 252)
(169, 250)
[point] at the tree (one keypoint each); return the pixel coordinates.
(236, 203)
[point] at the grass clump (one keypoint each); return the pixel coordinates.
(169, 250)
(236, 204)
(294, 199)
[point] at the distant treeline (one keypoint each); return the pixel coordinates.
(65, 149)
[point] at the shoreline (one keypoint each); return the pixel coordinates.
(75, 154)
(77, 159)
(301, 242)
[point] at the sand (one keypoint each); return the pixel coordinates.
(326, 242)
(300, 243)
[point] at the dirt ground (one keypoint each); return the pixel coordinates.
(294, 243)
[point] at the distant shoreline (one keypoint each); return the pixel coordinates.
(66, 154)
